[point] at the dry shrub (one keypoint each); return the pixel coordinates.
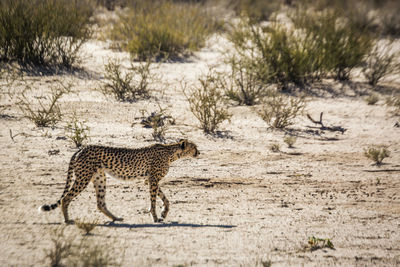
(394, 101)
(275, 147)
(246, 85)
(206, 101)
(77, 131)
(377, 153)
(48, 113)
(279, 110)
(87, 227)
(381, 62)
(130, 86)
(67, 251)
(158, 122)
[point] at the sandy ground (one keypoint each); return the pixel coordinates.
(238, 204)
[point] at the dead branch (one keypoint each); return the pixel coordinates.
(327, 128)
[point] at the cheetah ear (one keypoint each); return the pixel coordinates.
(183, 143)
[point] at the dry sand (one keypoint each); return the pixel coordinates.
(237, 204)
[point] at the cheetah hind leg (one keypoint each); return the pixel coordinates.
(100, 187)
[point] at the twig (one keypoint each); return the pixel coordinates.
(323, 127)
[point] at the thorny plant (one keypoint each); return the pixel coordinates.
(158, 122)
(77, 131)
(279, 111)
(130, 86)
(206, 101)
(48, 113)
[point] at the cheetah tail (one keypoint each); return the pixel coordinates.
(67, 185)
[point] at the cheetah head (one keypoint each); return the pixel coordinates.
(188, 149)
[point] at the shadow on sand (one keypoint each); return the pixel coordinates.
(164, 225)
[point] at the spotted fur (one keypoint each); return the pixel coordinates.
(91, 163)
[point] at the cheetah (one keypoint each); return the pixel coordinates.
(91, 163)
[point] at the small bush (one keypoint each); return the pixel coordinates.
(290, 140)
(43, 32)
(247, 84)
(256, 10)
(158, 122)
(206, 102)
(66, 251)
(372, 99)
(163, 29)
(129, 86)
(380, 63)
(377, 154)
(279, 111)
(62, 247)
(77, 131)
(394, 101)
(48, 113)
(275, 147)
(87, 227)
(319, 243)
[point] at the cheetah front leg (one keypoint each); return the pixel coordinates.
(100, 186)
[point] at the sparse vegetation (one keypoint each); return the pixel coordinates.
(372, 99)
(206, 101)
(163, 29)
(279, 111)
(275, 147)
(290, 140)
(158, 122)
(246, 85)
(66, 251)
(381, 62)
(77, 131)
(48, 113)
(377, 153)
(319, 243)
(87, 227)
(62, 247)
(130, 86)
(43, 32)
(394, 101)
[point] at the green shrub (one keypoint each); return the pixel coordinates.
(372, 99)
(43, 32)
(206, 101)
(339, 42)
(163, 29)
(129, 86)
(377, 154)
(282, 56)
(279, 111)
(290, 140)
